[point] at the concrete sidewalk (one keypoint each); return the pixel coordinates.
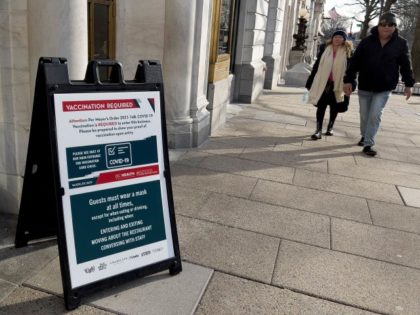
(270, 222)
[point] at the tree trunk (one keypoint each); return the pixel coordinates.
(367, 18)
(415, 51)
(388, 5)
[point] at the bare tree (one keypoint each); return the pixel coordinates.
(389, 4)
(409, 28)
(407, 12)
(330, 25)
(371, 9)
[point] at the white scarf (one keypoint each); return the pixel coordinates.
(327, 64)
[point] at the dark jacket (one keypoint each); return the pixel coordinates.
(378, 66)
(315, 68)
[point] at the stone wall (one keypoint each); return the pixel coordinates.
(15, 109)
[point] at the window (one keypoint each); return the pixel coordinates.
(223, 39)
(101, 23)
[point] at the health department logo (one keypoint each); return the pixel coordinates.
(90, 269)
(102, 266)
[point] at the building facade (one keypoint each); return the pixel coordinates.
(213, 52)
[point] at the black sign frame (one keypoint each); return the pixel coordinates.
(42, 188)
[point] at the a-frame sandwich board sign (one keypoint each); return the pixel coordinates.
(97, 176)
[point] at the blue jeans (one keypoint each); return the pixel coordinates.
(371, 109)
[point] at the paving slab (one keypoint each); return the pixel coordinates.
(266, 219)
(7, 230)
(249, 168)
(411, 196)
(397, 166)
(275, 130)
(251, 127)
(339, 139)
(218, 146)
(180, 293)
(389, 176)
(298, 158)
(395, 216)
(348, 186)
(27, 301)
(176, 154)
(228, 130)
(385, 138)
(402, 153)
(369, 284)
(280, 118)
(318, 201)
(191, 158)
(227, 249)
(17, 265)
(208, 180)
(6, 288)
(416, 138)
(222, 145)
(302, 130)
(329, 149)
(188, 201)
(376, 242)
(240, 296)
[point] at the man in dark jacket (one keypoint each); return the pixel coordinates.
(378, 59)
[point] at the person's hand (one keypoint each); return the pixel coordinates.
(347, 89)
(408, 92)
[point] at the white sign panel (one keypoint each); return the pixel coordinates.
(111, 162)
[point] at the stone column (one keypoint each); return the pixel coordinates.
(249, 67)
(58, 28)
(15, 109)
(185, 68)
(272, 44)
(286, 38)
(317, 7)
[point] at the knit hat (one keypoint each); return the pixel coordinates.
(341, 33)
(388, 17)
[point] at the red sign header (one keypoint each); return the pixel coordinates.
(70, 106)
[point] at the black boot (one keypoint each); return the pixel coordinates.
(330, 131)
(333, 116)
(369, 151)
(318, 132)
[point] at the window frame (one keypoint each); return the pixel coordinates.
(111, 27)
(221, 65)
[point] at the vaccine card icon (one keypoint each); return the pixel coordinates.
(118, 155)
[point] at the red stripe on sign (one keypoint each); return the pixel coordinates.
(125, 174)
(72, 106)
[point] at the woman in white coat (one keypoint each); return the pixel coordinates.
(325, 83)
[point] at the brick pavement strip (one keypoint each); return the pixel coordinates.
(258, 298)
